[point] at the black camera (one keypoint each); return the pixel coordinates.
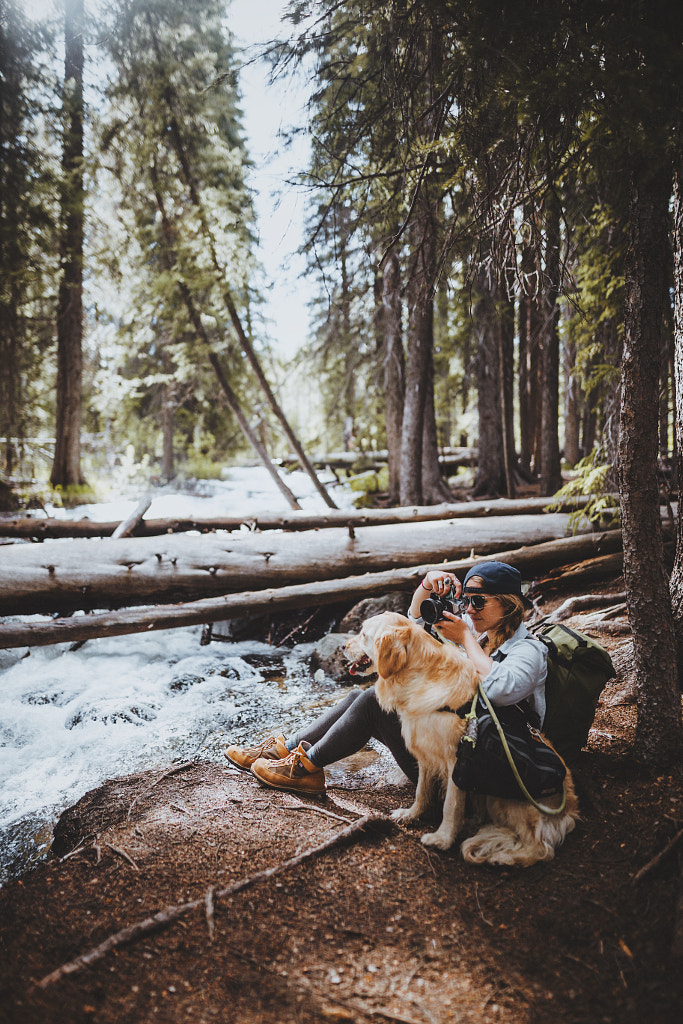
(432, 608)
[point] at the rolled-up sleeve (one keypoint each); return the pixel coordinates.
(521, 674)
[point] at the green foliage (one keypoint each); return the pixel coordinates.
(589, 479)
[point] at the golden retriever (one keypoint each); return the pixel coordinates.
(418, 677)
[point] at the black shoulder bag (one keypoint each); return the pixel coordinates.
(528, 769)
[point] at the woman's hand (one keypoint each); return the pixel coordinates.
(440, 582)
(452, 627)
(437, 582)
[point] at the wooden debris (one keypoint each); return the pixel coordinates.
(584, 602)
(530, 560)
(658, 858)
(33, 527)
(128, 526)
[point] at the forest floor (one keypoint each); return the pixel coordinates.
(379, 929)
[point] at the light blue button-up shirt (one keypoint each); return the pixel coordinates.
(519, 672)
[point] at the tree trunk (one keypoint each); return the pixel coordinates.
(677, 574)
(572, 396)
(490, 478)
(260, 602)
(658, 734)
(97, 574)
(434, 490)
(39, 529)
(528, 360)
(420, 323)
(394, 370)
(167, 425)
(66, 467)
(506, 363)
(550, 472)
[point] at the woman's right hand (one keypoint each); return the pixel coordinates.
(440, 582)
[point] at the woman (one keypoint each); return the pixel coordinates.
(511, 663)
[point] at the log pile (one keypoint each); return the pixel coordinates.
(531, 561)
(96, 574)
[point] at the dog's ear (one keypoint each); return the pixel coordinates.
(392, 652)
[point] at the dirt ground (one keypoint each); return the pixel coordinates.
(378, 929)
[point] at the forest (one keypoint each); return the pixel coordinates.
(494, 226)
(494, 243)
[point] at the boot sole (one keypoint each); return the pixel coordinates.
(291, 789)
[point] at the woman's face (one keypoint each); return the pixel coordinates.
(491, 613)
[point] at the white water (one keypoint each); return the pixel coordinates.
(70, 719)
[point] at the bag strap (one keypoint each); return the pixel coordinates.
(552, 811)
(472, 714)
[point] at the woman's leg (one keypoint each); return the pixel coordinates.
(347, 727)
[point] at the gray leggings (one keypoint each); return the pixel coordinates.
(348, 725)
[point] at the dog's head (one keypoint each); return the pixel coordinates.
(381, 646)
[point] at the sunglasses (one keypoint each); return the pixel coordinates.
(478, 601)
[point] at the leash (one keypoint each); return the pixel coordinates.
(472, 715)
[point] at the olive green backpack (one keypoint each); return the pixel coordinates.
(578, 668)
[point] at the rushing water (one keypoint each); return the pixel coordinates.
(70, 719)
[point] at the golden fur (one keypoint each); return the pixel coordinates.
(417, 676)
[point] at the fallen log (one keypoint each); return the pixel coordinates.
(139, 620)
(34, 528)
(449, 458)
(96, 574)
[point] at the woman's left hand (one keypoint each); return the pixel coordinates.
(452, 627)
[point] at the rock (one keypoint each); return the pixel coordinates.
(353, 620)
(328, 655)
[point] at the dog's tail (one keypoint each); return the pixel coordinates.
(498, 844)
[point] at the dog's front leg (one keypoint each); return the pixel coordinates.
(452, 821)
(421, 801)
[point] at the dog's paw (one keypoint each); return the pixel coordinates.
(404, 814)
(442, 840)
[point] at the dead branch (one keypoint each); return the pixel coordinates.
(166, 917)
(584, 602)
(122, 853)
(164, 775)
(128, 525)
(209, 909)
(658, 858)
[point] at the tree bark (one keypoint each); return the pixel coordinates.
(434, 490)
(676, 584)
(420, 338)
(658, 733)
(528, 391)
(506, 360)
(550, 471)
(66, 467)
(92, 574)
(394, 370)
(490, 478)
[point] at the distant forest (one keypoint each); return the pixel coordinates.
(487, 183)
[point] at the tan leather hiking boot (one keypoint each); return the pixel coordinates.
(243, 757)
(294, 772)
